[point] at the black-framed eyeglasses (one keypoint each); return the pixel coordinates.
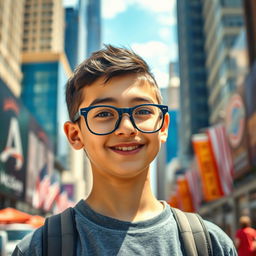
(105, 119)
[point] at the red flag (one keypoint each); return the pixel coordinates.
(195, 185)
(42, 187)
(223, 158)
(53, 193)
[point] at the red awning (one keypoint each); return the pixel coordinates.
(11, 215)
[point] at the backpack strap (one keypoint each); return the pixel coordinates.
(201, 235)
(194, 235)
(60, 234)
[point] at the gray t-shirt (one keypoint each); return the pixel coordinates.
(99, 235)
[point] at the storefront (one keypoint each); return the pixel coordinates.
(26, 156)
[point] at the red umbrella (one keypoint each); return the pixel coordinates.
(11, 215)
(36, 221)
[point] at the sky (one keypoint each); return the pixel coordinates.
(146, 26)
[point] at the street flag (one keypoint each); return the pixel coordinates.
(53, 192)
(185, 202)
(223, 158)
(207, 166)
(62, 201)
(195, 185)
(42, 187)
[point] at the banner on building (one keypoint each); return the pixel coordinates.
(184, 197)
(195, 185)
(250, 100)
(235, 123)
(207, 167)
(24, 149)
(223, 157)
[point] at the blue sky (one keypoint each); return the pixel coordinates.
(146, 26)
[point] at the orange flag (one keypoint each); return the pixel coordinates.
(184, 196)
(207, 167)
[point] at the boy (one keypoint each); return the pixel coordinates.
(116, 118)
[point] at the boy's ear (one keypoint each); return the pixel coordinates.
(164, 129)
(72, 132)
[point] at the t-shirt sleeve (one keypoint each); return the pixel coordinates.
(222, 245)
(30, 245)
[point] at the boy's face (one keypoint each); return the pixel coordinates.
(108, 154)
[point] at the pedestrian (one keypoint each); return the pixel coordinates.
(117, 118)
(245, 239)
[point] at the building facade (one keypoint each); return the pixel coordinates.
(193, 75)
(45, 67)
(93, 26)
(71, 35)
(223, 20)
(11, 30)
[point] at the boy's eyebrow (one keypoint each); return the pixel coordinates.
(113, 100)
(102, 100)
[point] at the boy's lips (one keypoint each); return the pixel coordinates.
(127, 148)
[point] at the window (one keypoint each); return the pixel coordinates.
(233, 20)
(231, 3)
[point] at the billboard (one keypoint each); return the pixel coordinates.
(250, 101)
(237, 133)
(24, 148)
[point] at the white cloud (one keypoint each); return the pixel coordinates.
(110, 8)
(158, 55)
(167, 20)
(161, 77)
(165, 33)
(156, 5)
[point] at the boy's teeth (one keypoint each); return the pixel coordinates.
(126, 148)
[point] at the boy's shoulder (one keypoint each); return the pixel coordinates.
(221, 242)
(31, 244)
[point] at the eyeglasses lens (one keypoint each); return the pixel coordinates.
(102, 120)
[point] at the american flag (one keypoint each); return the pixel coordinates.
(42, 187)
(222, 153)
(195, 185)
(53, 192)
(62, 201)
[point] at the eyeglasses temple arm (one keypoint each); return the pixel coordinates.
(76, 116)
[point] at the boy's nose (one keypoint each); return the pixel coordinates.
(126, 127)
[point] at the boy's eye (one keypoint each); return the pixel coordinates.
(143, 111)
(104, 114)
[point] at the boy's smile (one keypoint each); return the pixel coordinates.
(126, 152)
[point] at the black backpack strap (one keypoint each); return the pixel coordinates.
(195, 237)
(201, 235)
(60, 235)
(185, 232)
(69, 233)
(52, 236)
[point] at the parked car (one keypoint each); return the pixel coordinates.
(15, 232)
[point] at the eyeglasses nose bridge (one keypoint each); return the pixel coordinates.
(125, 112)
(128, 112)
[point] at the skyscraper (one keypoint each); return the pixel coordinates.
(72, 21)
(45, 66)
(193, 89)
(11, 25)
(223, 22)
(93, 26)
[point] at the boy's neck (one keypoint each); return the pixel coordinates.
(128, 200)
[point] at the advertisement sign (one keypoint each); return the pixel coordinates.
(250, 101)
(185, 200)
(12, 146)
(235, 123)
(207, 167)
(24, 148)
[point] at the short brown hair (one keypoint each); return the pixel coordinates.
(244, 221)
(109, 62)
